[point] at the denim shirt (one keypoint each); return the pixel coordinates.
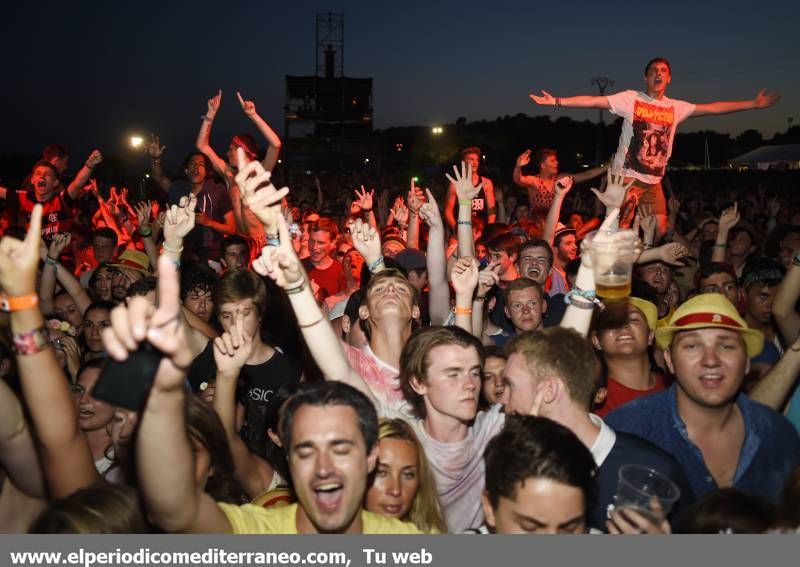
(770, 450)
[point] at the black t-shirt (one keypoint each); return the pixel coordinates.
(258, 381)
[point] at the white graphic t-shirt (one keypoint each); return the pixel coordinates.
(648, 131)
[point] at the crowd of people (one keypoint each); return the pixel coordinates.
(231, 357)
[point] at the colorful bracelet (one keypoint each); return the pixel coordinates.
(273, 241)
(465, 202)
(464, 222)
(31, 342)
(463, 310)
(375, 264)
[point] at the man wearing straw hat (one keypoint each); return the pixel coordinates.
(716, 433)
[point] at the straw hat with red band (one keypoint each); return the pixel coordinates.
(648, 309)
(710, 310)
(133, 260)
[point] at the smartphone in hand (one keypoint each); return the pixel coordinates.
(127, 383)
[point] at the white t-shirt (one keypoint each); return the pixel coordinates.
(648, 130)
(458, 468)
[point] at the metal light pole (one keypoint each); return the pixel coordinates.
(602, 83)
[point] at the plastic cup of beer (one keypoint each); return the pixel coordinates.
(612, 262)
(645, 491)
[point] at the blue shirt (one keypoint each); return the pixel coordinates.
(770, 450)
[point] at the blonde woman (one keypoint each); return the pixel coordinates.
(402, 486)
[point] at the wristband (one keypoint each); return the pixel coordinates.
(9, 304)
(297, 289)
(50, 261)
(463, 310)
(465, 202)
(31, 342)
(88, 166)
(720, 245)
(480, 298)
(464, 222)
(307, 325)
(375, 264)
(207, 118)
(647, 246)
(147, 231)
(273, 241)
(366, 210)
(171, 251)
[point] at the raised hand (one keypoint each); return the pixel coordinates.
(366, 240)
(463, 182)
(143, 209)
(673, 253)
(673, 205)
(93, 188)
(544, 99)
(401, 212)
(765, 100)
(488, 278)
(248, 106)
(648, 220)
(615, 193)
(415, 199)
(465, 276)
(364, 200)
(258, 193)
(280, 263)
(563, 186)
(19, 259)
(430, 214)
(213, 104)
(154, 148)
(58, 245)
(94, 159)
(72, 354)
(180, 219)
(233, 348)
(162, 327)
(524, 158)
(729, 218)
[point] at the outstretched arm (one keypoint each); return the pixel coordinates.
(63, 447)
(783, 306)
(273, 141)
(773, 389)
(204, 135)
(231, 351)
(465, 279)
(155, 150)
(17, 451)
(463, 189)
(279, 261)
(546, 99)
(74, 188)
(762, 100)
(589, 174)
(439, 290)
(562, 187)
(164, 457)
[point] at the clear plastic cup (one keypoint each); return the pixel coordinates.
(612, 258)
(645, 490)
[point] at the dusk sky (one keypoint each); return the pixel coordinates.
(87, 74)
